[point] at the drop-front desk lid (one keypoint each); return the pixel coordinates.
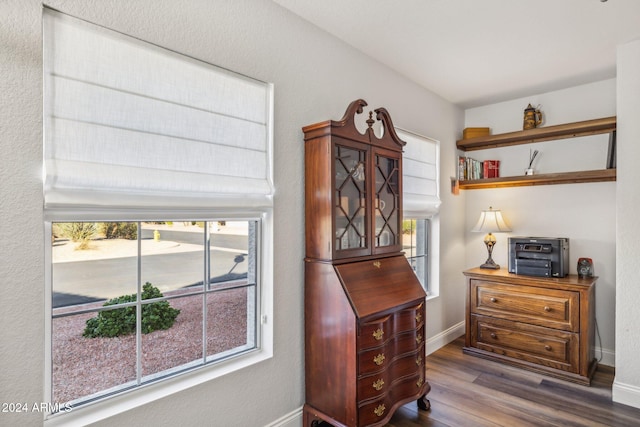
(374, 286)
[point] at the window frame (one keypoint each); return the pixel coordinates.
(108, 405)
(425, 281)
(84, 206)
(428, 209)
(432, 270)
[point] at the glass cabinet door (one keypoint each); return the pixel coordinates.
(386, 202)
(350, 198)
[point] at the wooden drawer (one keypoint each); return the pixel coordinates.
(379, 383)
(543, 346)
(374, 411)
(379, 358)
(551, 308)
(377, 332)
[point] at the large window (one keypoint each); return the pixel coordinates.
(421, 205)
(158, 203)
(134, 302)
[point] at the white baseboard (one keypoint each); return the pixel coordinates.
(444, 337)
(605, 356)
(626, 394)
(292, 419)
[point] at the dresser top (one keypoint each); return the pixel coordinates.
(503, 275)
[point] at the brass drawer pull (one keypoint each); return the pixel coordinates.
(377, 334)
(379, 410)
(378, 384)
(493, 299)
(379, 359)
(547, 347)
(547, 308)
(493, 335)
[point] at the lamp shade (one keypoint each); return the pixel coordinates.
(491, 221)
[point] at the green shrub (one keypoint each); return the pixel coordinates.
(408, 225)
(78, 232)
(122, 321)
(119, 230)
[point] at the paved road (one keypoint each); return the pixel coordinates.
(86, 281)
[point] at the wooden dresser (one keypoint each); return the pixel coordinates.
(541, 324)
(364, 306)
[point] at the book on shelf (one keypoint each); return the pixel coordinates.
(491, 168)
(469, 169)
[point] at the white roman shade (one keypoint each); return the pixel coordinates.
(127, 123)
(420, 175)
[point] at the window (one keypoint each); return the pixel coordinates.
(134, 302)
(416, 248)
(158, 198)
(421, 203)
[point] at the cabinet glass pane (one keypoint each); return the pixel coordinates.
(350, 198)
(387, 200)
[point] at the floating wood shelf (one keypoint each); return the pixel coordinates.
(530, 136)
(569, 130)
(541, 179)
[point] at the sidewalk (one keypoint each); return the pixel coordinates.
(65, 250)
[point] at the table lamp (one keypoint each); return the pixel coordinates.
(490, 221)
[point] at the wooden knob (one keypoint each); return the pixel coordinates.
(547, 309)
(493, 335)
(493, 299)
(547, 347)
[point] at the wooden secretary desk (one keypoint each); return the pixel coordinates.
(364, 306)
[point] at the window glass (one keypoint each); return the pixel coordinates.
(133, 302)
(416, 248)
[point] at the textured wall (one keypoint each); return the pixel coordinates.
(627, 382)
(584, 213)
(315, 77)
(21, 226)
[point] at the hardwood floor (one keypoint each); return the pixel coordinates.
(469, 391)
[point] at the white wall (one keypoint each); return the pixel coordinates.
(626, 387)
(585, 213)
(315, 78)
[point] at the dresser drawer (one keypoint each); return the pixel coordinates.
(370, 386)
(529, 343)
(379, 358)
(552, 308)
(376, 410)
(377, 332)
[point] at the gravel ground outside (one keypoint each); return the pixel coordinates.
(83, 366)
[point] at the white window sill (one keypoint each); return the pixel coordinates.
(126, 401)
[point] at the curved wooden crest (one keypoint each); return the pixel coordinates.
(346, 127)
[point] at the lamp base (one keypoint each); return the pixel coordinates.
(490, 264)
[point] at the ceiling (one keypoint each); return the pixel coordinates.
(478, 52)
